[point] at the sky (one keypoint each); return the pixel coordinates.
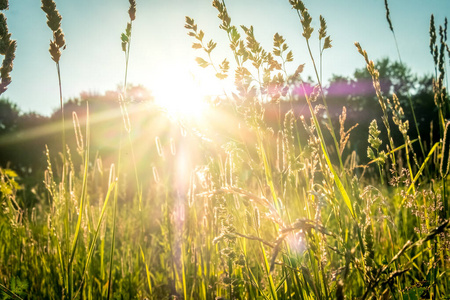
(161, 54)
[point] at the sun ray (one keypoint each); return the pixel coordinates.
(183, 93)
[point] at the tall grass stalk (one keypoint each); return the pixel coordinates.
(338, 182)
(83, 199)
(113, 237)
(260, 210)
(126, 46)
(416, 124)
(305, 20)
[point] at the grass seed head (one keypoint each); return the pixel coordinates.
(3, 25)
(53, 16)
(445, 161)
(132, 10)
(388, 17)
(78, 134)
(257, 218)
(58, 36)
(369, 255)
(374, 132)
(54, 23)
(344, 134)
(306, 23)
(305, 17)
(112, 174)
(223, 15)
(445, 29)
(327, 43)
(432, 34)
(8, 49)
(297, 4)
(4, 4)
(323, 28)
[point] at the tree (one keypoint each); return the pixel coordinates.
(358, 95)
(9, 114)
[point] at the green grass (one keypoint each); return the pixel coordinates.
(259, 212)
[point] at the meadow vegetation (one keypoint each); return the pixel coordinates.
(267, 197)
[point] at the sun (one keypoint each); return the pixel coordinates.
(183, 93)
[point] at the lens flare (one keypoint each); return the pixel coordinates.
(183, 94)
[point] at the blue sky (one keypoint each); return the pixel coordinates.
(94, 62)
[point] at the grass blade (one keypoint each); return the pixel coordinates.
(146, 271)
(421, 168)
(8, 292)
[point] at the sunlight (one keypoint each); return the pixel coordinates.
(182, 93)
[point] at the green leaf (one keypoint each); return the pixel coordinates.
(337, 181)
(422, 167)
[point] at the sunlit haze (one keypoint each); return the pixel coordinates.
(225, 149)
(183, 91)
(161, 48)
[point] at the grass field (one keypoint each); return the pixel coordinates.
(227, 205)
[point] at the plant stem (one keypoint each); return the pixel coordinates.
(68, 278)
(336, 144)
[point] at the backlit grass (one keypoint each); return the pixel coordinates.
(229, 204)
